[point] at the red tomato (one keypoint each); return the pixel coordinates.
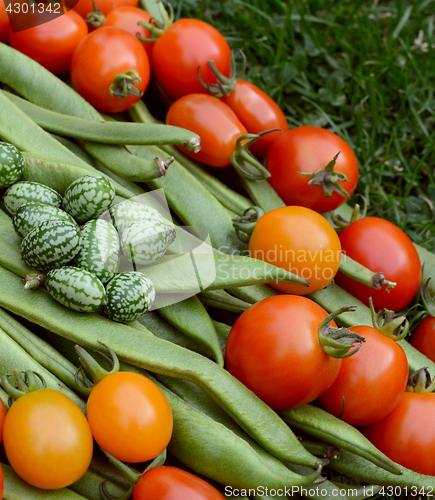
(371, 383)
(103, 54)
(424, 337)
(84, 7)
(127, 19)
(214, 121)
(273, 348)
(382, 247)
(171, 483)
(257, 112)
(4, 23)
(298, 240)
(129, 417)
(407, 434)
(185, 46)
(51, 43)
(47, 439)
(308, 149)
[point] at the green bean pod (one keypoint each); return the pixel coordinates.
(17, 489)
(144, 350)
(262, 193)
(88, 486)
(324, 426)
(105, 132)
(223, 300)
(191, 318)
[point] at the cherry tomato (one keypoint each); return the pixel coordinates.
(371, 383)
(127, 18)
(407, 434)
(214, 121)
(298, 240)
(308, 149)
(4, 23)
(47, 439)
(424, 337)
(273, 348)
(185, 46)
(382, 247)
(2, 418)
(103, 54)
(51, 43)
(84, 7)
(129, 417)
(257, 112)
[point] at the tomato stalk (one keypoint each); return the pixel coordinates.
(356, 214)
(427, 298)
(123, 84)
(23, 382)
(337, 342)
(385, 322)
(225, 85)
(241, 157)
(244, 225)
(157, 27)
(420, 382)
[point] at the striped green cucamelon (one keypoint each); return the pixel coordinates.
(99, 249)
(27, 191)
(30, 215)
(128, 296)
(125, 213)
(144, 242)
(88, 197)
(11, 164)
(51, 244)
(76, 289)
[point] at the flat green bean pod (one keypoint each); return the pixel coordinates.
(223, 300)
(144, 350)
(89, 486)
(104, 132)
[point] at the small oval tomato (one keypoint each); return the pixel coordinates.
(186, 46)
(51, 43)
(407, 434)
(129, 417)
(47, 439)
(85, 7)
(298, 240)
(103, 54)
(4, 23)
(273, 348)
(257, 112)
(371, 383)
(308, 149)
(214, 121)
(423, 338)
(127, 19)
(171, 483)
(381, 246)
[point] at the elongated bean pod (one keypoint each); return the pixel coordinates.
(144, 350)
(223, 300)
(262, 193)
(89, 486)
(105, 132)
(322, 425)
(10, 258)
(190, 317)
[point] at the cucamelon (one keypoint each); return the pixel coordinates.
(11, 164)
(27, 191)
(125, 213)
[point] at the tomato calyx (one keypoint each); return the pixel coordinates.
(362, 274)
(33, 281)
(337, 342)
(359, 212)
(132, 476)
(420, 382)
(92, 366)
(157, 27)
(95, 18)
(18, 383)
(245, 224)
(124, 85)
(384, 322)
(242, 158)
(328, 178)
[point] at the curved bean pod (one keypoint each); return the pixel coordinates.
(223, 300)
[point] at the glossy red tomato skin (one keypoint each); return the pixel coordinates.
(381, 246)
(273, 348)
(371, 382)
(129, 417)
(127, 18)
(407, 434)
(215, 123)
(185, 46)
(423, 338)
(84, 7)
(308, 149)
(171, 483)
(298, 240)
(103, 54)
(257, 112)
(4, 23)
(52, 43)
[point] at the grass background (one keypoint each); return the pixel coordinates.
(365, 70)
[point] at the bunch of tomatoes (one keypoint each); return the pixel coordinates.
(277, 347)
